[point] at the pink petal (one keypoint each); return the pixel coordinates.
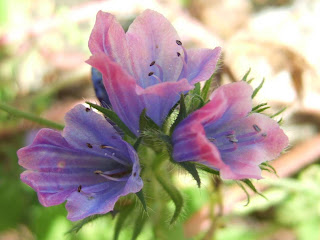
(151, 37)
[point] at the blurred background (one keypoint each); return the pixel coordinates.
(43, 46)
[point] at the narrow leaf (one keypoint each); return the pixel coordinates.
(114, 118)
(207, 169)
(174, 194)
(253, 188)
(138, 226)
(246, 75)
(245, 191)
(206, 89)
(147, 123)
(76, 228)
(279, 112)
(182, 113)
(140, 196)
(262, 109)
(258, 106)
(190, 168)
(122, 217)
(255, 92)
(31, 117)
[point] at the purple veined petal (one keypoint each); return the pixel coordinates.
(239, 104)
(267, 143)
(201, 64)
(121, 88)
(109, 38)
(59, 168)
(159, 99)
(89, 131)
(151, 37)
(222, 136)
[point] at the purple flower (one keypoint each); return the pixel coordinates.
(224, 136)
(147, 67)
(89, 165)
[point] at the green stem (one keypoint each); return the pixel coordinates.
(18, 113)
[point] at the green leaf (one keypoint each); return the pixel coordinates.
(140, 196)
(246, 75)
(245, 191)
(253, 188)
(191, 168)
(182, 113)
(173, 193)
(29, 116)
(279, 112)
(259, 106)
(76, 228)
(206, 89)
(146, 123)
(207, 169)
(255, 91)
(262, 109)
(138, 226)
(122, 217)
(114, 118)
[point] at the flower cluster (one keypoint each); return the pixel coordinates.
(146, 71)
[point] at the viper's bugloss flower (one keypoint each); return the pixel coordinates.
(224, 135)
(89, 165)
(147, 67)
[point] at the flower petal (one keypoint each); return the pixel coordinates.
(244, 162)
(159, 99)
(201, 64)
(109, 37)
(151, 37)
(121, 88)
(238, 104)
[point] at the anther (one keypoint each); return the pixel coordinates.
(178, 54)
(105, 147)
(256, 128)
(232, 138)
(98, 172)
(87, 109)
(79, 188)
(152, 63)
(263, 134)
(179, 42)
(89, 145)
(134, 174)
(150, 74)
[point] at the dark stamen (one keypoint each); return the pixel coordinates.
(153, 62)
(179, 42)
(87, 109)
(79, 188)
(134, 174)
(98, 172)
(178, 54)
(89, 145)
(263, 134)
(256, 128)
(105, 146)
(150, 74)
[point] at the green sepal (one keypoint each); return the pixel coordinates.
(140, 196)
(173, 193)
(137, 143)
(122, 217)
(114, 118)
(191, 168)
(207, 169)
(267, 167)
(139, 224)
(262, 109)
(196, 90)
(146, 122)
(278, 113)
(206, 89)
(244, 78)
(256, 108)
(76, 227)
(245, 191)
(182, 113)
(255, 91)
(252, 187)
